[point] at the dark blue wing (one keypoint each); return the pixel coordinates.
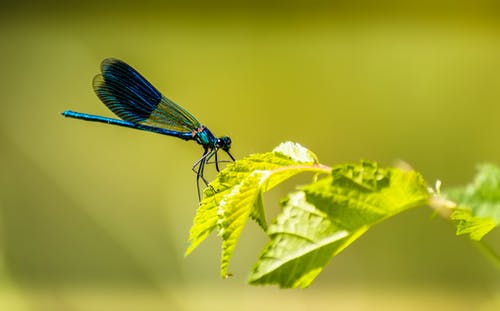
(131, 97)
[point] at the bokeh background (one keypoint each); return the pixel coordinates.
(95, 217)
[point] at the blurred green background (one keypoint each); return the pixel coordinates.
(96, 217)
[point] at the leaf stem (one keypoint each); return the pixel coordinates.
(444, 208)
(488, 252)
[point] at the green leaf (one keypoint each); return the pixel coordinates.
(297, 152)
(478, 203)
(475, 227)
(236, 194)
(303, 241)
(327, 216)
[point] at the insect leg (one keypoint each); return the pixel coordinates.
(200, 164)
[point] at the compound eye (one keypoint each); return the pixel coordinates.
(224, 143)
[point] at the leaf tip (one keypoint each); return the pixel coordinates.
(296, 152)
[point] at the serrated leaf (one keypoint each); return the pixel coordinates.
(329, 215)
(303, 240)
(475, 227)
(236, 194)
(478, 203)
(296, 152)
(258, 213)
